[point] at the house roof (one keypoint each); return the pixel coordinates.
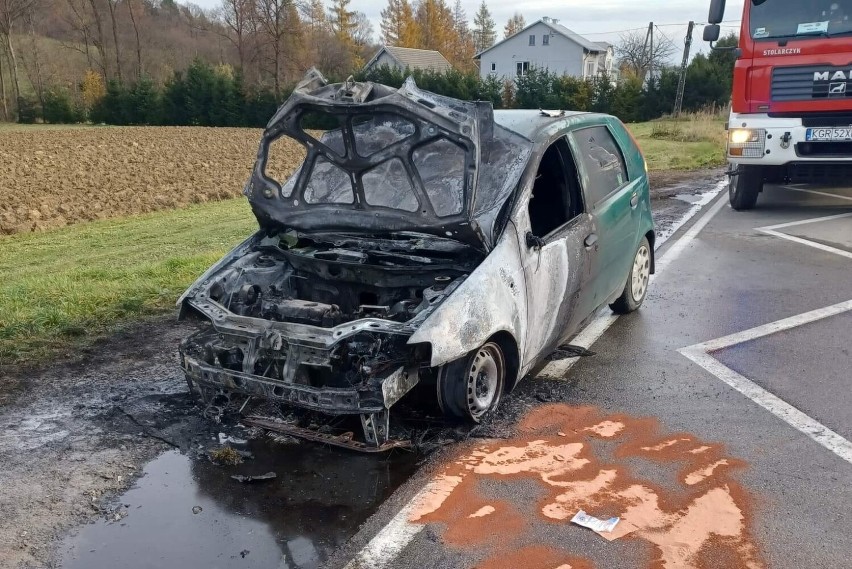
(414, 58)
(586, 44)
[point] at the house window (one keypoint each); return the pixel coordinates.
(523, 68)
(590, 69)
(493, 67)
(532, 39)
(545, 39)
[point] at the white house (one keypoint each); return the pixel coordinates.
(408, 58)
(547, 44)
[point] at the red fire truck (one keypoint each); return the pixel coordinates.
(791, 114)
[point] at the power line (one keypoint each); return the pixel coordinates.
(684, 24)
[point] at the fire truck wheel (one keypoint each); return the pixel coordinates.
(744, 187)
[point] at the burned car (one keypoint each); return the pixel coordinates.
(424, 241)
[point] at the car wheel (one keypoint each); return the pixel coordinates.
(744, 186)
(470, 387)
(636, 287)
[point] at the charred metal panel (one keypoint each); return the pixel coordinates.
(344, 181)
(492, 299)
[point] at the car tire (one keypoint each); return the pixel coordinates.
(636, 287)
(471, 387)
(744, 187)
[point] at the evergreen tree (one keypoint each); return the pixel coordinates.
(515, 24)
(398, 25)
(462, 53)
(343, 22)
(484, 29)
(435, 21)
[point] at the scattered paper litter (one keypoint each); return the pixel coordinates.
(583, 519)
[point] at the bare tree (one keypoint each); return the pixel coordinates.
(111, 4)
(10, 12)
(98, 40)
(636, 55)
(138, 44)
(237, 16)
(278, 21)
(3, 87)
(80, 23)
(39, 81)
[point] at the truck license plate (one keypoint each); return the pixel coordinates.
(829, 134)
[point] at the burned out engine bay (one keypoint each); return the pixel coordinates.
(327, 280)
(322, 321)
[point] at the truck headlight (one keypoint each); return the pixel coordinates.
(746, 142)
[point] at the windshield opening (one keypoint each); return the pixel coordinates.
(773, 19)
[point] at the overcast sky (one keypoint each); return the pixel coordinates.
(601, 20)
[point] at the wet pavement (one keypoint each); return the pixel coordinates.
(190, 513)
(775, 490)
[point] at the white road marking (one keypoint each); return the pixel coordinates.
(558, 369)
(817, 192)
(772, 230)
(389, 542)
(394, 537)
(701, 354)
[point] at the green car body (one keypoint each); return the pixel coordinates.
(424, 240)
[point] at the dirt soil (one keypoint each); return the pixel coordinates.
(52, 178)
(77, 433)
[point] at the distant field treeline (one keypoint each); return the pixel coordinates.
(207, 95)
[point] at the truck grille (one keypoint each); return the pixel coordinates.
(811, 82)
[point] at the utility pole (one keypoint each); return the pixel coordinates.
(648, 53)
(681, 84)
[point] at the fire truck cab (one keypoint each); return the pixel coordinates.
(791, 111)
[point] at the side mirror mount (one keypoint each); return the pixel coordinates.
(532, 241)
(717, 12)
(712, 32)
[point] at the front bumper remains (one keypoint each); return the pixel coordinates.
(220, 362)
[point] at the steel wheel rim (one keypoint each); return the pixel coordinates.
(484, 377)
(641, 273)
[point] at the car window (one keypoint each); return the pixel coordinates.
(555, 197)
(602, 161)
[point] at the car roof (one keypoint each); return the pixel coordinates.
(531, 123)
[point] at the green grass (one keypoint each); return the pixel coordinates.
(695, 141)
(62, 288)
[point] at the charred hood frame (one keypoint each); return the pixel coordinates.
(469, 125)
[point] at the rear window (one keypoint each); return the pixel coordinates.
(602, 162)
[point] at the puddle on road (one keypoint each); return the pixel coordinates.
(692, 198)
(319, 499)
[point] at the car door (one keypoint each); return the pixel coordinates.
(611, 198)
(557, 265)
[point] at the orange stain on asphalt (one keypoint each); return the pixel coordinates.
(699, 475)
(555, 467)
(606, 429)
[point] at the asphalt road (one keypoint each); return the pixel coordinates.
(715, 421)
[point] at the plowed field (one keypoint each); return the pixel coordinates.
(59, 176)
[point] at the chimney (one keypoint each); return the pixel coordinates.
(545, 19)
(554, 21)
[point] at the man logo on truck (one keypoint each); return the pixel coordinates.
(827, 76)
(832, 83)
(837, 90)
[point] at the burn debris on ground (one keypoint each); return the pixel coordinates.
(256, 478)
(226, 456)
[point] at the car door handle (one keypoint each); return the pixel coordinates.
(634, 199)
(591, 240)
